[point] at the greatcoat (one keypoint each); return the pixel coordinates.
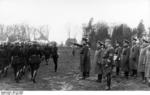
(125, 59)
(98, 61)
(142, 59)
(85, 62)
(147, 62)
(134, 57)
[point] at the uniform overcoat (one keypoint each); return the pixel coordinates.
(142, 59)
(98, 61)
(85, 62)
(147, 63)
(125, 59)
(134, 57)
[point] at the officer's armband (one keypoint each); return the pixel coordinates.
(115, 57)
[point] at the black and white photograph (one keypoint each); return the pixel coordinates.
(74, 45)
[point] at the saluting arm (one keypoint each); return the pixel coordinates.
(76, 44)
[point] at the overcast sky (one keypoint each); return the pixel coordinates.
(59, 15)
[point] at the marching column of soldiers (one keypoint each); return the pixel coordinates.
(127, 60)
(25, 57)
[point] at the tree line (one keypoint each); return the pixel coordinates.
(101, 31)
(22, 32)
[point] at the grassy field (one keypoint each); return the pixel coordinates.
(67, 77)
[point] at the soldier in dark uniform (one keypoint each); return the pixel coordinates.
(42, 49)
(7, 57)
(125, 58)
(17, 56)
(24, 64)
(55, 55)
(4, 59)
(108, 62)
(47, 53)
(34, 60)
(117, 57)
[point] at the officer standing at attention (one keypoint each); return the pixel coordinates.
(108, 62)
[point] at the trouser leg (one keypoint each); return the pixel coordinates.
(34, 75)
(55, 62)
(87, 74)
(108, 80)
(32, 70)
(46, 61)
(132, 72)
(142, 73)
(15, 72)
(143, 76)
(117, 70)
(135, 72)
(83, 75)
(100, 77)
(127, 74)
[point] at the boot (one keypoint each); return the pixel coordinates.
(34, 81)
(99, 78)
(127, 75)
(87, 74)
(107, 88)
(117, 71)
(83, 76)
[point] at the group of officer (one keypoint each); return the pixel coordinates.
(125, 59)
(103, 60)
(26, 57)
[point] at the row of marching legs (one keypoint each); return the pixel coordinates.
(19, 73)
(3, 71)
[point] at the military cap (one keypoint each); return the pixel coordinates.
(118, 42)
(134, 39)
(144, 40)
(85, 39)
(100, 42)
(126, 41)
